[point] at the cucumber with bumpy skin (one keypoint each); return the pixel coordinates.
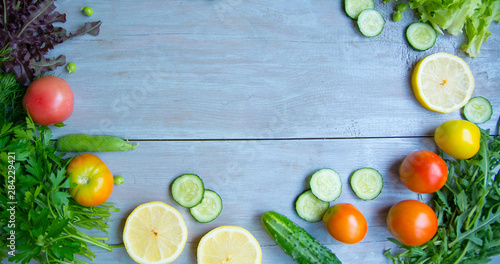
(295, 241)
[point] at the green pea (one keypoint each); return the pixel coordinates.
(401, 7)
(397, 16)
(87, 11)
(91, 143)
(71, 67)
(118, 180)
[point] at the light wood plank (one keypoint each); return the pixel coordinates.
(182, 76)
(251, 69)
(253, 177)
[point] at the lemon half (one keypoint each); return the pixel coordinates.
(442, 82)
(230, 245)
(154, 232)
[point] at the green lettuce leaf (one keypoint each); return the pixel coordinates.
(477, 26)
(456, 16)
(449, 15)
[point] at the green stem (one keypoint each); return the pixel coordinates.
(4, 13)
(117, 245)
(92, 242)
(463, 253)
(479, 226)
(33, 19)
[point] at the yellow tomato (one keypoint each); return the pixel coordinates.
(458, 138)
(93, 178)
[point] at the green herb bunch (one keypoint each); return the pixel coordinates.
(468, 211)
(48, 223)
(11, 99)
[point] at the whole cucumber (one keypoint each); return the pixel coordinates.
(295, 241)
(92, 143)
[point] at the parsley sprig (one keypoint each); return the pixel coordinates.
(48, 223)
(468, 211)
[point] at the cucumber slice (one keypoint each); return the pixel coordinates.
(209, 208)
(367, 183)
(354, 7)
(421, 36)
(478, 110)
(370, 22)
(187, 190)
(310, 208)
(326, 185)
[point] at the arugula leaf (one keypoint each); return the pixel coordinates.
(468, 211)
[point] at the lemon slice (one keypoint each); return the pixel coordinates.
(442, 82)
(154, 232)
(229, 244)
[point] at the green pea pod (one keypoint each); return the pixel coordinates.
(92, 143)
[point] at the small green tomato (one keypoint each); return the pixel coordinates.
(118, 180)
(397, 16)
(71, 67)
(87, 11)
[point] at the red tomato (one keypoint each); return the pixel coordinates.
(412, 222)
(93, 178)
(49, 100)
(423, 171)
(345, 223)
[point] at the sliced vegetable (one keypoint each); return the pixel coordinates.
(295, 241)
(478, 110)
(188, 190)
(370, 22)
(326, 185)
(354, 7)
(92, 143)
(209, 208)
(421, 36)
(309, 207)
(367, 183)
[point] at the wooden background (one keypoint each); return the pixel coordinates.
(254, 96)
